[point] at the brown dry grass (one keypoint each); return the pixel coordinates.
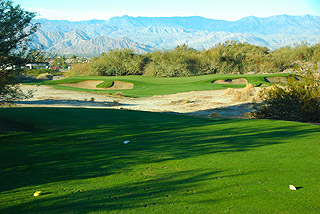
(246, 94)
(229, 91)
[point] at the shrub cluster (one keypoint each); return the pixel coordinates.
(299, 100)
(228, 57)
(117, 63)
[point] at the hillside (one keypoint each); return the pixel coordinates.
(145, 33)
(78, 42)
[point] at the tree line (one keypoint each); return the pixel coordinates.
(230, 57)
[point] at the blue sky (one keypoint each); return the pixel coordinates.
(76, 10)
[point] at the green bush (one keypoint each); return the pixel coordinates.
(80, 69)
(299, 100)
(176, 63)
(117, 63)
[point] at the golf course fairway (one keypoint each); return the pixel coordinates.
(172, 163)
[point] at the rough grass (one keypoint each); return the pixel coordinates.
(150, 86)
(173, 163)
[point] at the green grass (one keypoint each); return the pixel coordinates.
(173, 164)
(150, 86)
(37, 72)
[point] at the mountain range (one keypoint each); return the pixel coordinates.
(146, 34)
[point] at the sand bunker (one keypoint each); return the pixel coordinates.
(88, 84)
(276, 80)
(238, 81)
(92, 84)
(117, 85)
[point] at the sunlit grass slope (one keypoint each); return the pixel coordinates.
(148, 86)
(173, 163)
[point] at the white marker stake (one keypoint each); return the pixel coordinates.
(126, 142)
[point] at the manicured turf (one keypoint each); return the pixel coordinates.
(173, 163)
(149, 86)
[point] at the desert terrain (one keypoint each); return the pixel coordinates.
(199, 103)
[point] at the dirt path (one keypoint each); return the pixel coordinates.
(201, 103)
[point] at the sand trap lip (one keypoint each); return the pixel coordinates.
(120, 85)
(88, 84)
(231, 81)
(92, 84)
(276, 80)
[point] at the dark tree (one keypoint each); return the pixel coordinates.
(15, 28)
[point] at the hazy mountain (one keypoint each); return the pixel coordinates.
(79, 43)
(168, 32)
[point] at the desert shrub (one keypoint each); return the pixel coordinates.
(243, 95)
(180, 62)
(229, 91)
(228, 57)
(117, 63)
(9, 89)
(316, 53)
(44, 76)
(80, 69)
(297, 101)
(236, 57)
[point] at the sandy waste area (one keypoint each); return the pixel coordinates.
(211, 103)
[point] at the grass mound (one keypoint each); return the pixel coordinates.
(172, 164)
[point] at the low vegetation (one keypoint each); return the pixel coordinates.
(230, 57)
(299, 100)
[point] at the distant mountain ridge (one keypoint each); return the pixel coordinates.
(79, 43)
(145, 34)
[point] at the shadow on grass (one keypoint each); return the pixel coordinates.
(229, 112)
(150, 195)
(66, 102)
(74, 144)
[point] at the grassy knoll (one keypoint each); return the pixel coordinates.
(173, 164)
(148, 86)
(37, 72)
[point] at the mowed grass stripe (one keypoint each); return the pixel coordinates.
(173, 163)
